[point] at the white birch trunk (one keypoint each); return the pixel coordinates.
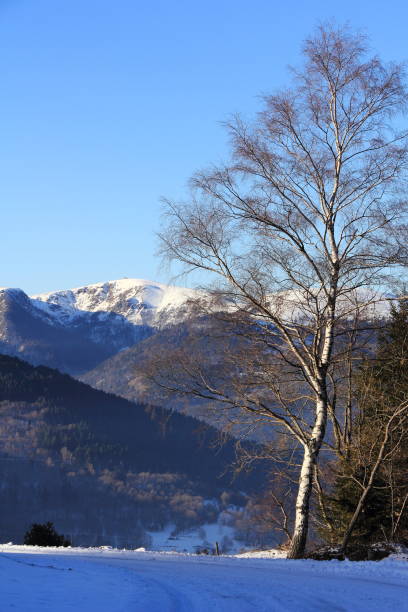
(312, 447)
(311, 452)
(299, 538)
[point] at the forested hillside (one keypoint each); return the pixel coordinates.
(102, 468)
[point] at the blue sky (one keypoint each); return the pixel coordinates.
(107, 105)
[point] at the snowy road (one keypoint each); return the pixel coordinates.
(113, 581)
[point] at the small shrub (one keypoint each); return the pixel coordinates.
(44, 535)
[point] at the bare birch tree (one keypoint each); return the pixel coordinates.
(295, 228)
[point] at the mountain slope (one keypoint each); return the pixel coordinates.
(30, 332)
(103, 469)
(77, 329)
(119, 374)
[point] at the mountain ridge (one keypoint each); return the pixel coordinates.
(140, 301)
(76, 329)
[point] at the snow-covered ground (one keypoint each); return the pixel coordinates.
(88, 580)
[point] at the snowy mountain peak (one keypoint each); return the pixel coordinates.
(12, 291)
(76, 329)
(11, 294)
(140, 301)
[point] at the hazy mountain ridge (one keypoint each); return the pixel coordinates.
(84, 331)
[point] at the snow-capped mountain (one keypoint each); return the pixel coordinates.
(139, 301)
(76, 329)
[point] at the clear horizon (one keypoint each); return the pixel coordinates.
(107, 107)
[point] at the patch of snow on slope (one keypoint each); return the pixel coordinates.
(195, 539)
(273, 553)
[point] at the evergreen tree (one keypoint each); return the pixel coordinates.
(381, 388)
(44, 535)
